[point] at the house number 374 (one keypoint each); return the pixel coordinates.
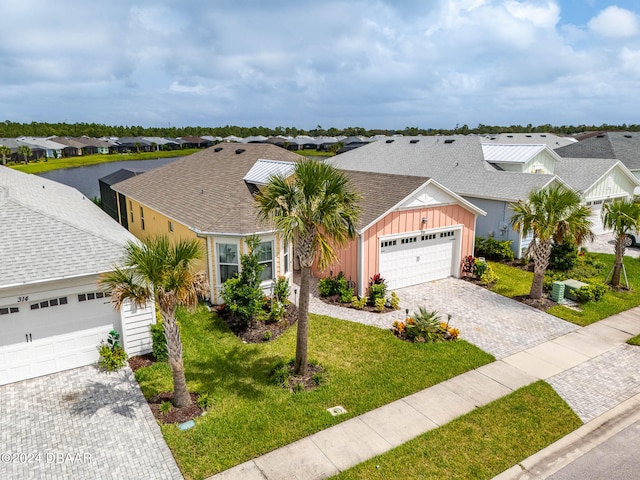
(23, 299)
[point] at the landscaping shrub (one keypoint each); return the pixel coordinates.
(425, 326)
(358, 303)
(592, 292)
(550, 277)
(488, 276)
(468, 264)
(159, 342)
(563, 257)
(205, 401)
(112, 355)
(493, 249)
(337, 287)
(479, 267)
(380, 304)
(281, 291)
(242, 293)
(394, 301)
(377, 288)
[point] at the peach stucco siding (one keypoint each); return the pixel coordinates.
(399, 222)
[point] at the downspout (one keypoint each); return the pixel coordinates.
(210, 270)
(360, 265)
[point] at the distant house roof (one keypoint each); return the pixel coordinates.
(550, 139)
(52, 231)
(120, 175)
(206, 191)
(42, 143)
(623, 146)
(457, 162)
(68, 141)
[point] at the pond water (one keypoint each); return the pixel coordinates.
(86, 178)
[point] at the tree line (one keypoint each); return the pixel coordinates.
(10, 129)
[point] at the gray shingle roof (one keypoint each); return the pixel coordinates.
(51, 231)
(581, 173)
(623, 146)
(205, 191)
(380, 192)
(458, 165)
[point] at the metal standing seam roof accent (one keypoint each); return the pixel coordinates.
(264, 169)
(510, 153)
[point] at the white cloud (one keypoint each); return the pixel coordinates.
(615, 22)
(543, 16)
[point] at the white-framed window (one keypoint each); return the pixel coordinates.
(265, 258)
(227, 260)
(285, 257)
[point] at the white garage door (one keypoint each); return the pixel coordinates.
(596, 217)
(418, 258)
(51, 335)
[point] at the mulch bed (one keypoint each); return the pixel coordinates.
(367, 308)
(256, 332)
(176, 415)
(305, 380)
(542, 304)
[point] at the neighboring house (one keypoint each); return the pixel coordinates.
(51, 148)
(73, 147)
(488, 175)
(93, 145)
(110, 204)
(411, 230)
(549, 139)
(623, 146)
(210, 195)
(55, 244)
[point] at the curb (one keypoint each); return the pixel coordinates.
(558, 455)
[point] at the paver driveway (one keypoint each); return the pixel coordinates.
(82, 423)
(494, 323)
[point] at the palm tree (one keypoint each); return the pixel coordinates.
(622, 216)
(161, 270)
(318, 210)
(5, 152)
(552, 214)
(25, 151)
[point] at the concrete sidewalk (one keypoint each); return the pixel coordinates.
(557, 361)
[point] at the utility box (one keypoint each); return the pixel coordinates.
(570, 286)
(557, 292)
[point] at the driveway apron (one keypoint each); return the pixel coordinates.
(81, 423)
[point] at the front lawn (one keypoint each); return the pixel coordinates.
(366, 368)
(514, 282)
(480, 444)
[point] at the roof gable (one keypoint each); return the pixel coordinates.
(263, 170)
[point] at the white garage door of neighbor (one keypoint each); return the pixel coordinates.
(62, 335)
(418, 258)
(596, 217)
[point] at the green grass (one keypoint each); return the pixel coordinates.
(514, 281)
(481, 444)
(41, 166)
(314, 153)
(634, 340)
(366, 368)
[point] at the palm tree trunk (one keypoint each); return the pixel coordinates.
(617, 266)
(300, 367)
(181, 396)
(541, 253)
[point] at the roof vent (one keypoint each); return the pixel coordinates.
(528, 136)
(449, 140)
(217, 149)
(239, 151)
(543, 135)
(600, 135)
(627, 136)
(415, 140)
(389, 141)
(509, 136)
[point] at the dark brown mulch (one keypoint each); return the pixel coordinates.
(256, 332)
(305, 380)
(175, 415)
(367, 308)
(140, 361)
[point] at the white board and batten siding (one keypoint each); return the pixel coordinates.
(612, 186)
(136, 323)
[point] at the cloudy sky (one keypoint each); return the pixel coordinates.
(374, 64)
